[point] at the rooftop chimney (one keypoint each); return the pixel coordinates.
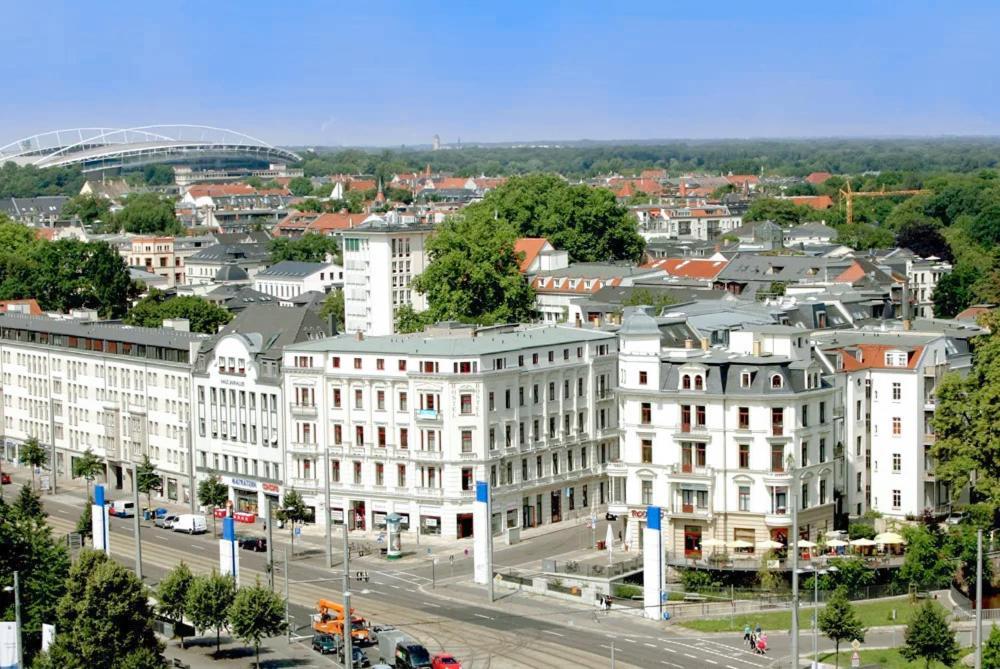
(756, 347)
(689, 343)
(359, 335)
(179, 324)
(704, 343)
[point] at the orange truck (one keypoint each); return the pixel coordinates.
(330, 620)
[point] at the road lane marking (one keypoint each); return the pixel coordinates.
(705, 659)
(553, 633)
(478, 615)
(649, 645)
(201, 548)
(433, 606)
(671, 664)
(729, 666)
(685, 655)
(629, 640)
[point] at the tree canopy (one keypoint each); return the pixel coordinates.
(156, 307)
(148, 214)
(839, 622)
(300, 186)
(587, 222)
(88, 208)
(782, 212)
(172, 593)
(310, 247)
(928, 637)
(256, 614)
(474, 274)
(208, 602)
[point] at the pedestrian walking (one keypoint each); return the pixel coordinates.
(753, 641)
(761, 646)
(758, 630)
(746, 633)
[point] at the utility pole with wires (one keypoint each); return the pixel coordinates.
(348, 649)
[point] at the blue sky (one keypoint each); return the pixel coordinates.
(397, 73)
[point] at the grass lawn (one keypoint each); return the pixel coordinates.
(873, 614)
(887, 659)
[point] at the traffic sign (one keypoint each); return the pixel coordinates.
(855, 644)
(298, 531)
(856, 659)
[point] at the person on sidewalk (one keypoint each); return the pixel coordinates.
(746, 633)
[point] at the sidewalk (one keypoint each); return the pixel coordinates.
(275, 652)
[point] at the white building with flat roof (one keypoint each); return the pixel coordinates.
(289, 278)
(381, 258)
(408, 423)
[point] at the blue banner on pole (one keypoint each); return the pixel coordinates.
(653, 517)
(482, 491)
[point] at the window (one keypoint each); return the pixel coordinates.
(336, 398)
(822, 412)
(359, 435)
(491, 401)
(379, 474)
(402, 401)
(746, 378)
(380, 400)
(686, 382)
(822, 450)
(822, 491)
(744, 497)
(805, 415)
(404, 437)
(897, 426)
(380, 364)
(699, 382)
(776, 381)
(857, 447)
(777, 421)
(647, 451)
(402, 365)
(897, 499)
(381, 436)
(895, 359)
(466, 441)
(466, 404)
(358, 399)
(897, 462)
(699, 415)
(643, 378)
(566, 389)
(858, 482)
(335, 471)
(897, 391)
(777, 459)
(401, 476)
(552, 356)
(743, 422)
(357, 472)
(804, 454)
(534, 358)
(685, 418)
(647, 492)
(338, 434)
(646, 413)
(744, 456)
(555, 463)
(336, 361)
(357, 363)
(506, 395)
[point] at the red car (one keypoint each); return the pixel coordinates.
(445, 661)
(5, 479)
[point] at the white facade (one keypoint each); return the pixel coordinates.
(286, 285)
(122, 392)
(239, 422)
(380, 261)
(708, 435)
(923, 277)
(704, 223)
(407, 424)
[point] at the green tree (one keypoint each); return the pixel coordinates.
(34, 455)
(991, 649)
(84, 524)
(105, 619)
(409, 321)
(172, 595)
(255, 182)
(148, 214)
(213, 493)
(203, 316)
(29, 504)
(256, 614)
(645, 297)
(209, 599)
(300, 186)
(147, 480)
(851, 573)
(88, 208)
(928, 637)
(926, 563)
(782, 212)
(587, 222)
(310, 247)
(333, 306)
(954, 291)
(29, 548)
(474, 274)
(839, 621)
(15, 237)
(766, 578)
(293, 510)
(87, 466)
(923, 237)
(864, 236)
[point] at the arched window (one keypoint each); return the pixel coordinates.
(699, 382)
(776, 381)
(686, 382)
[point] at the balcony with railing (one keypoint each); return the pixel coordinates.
(304, 484)
(428, 415)
(304, 410)
(303, 447)
(433, 493)
(420, 454)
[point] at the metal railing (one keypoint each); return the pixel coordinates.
(590, 569)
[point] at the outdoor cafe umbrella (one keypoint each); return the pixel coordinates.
(863, 542)
(740, 543)
(769, 545)
(711, 543)
(805, 543)
(889, 538)
(836, 543)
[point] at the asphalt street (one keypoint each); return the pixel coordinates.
(518, 630)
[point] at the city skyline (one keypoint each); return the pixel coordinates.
(393, 74)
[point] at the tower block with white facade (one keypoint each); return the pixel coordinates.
(716, 436)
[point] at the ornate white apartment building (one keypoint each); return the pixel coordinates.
(720, 438)
(408, 423)
(122, 392)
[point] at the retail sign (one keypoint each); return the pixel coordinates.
(640, 514)
(234, 382)
(271, 487)
(250, 484)
(244, 517)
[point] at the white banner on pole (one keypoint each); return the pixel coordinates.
(8, 645)
(48, 636)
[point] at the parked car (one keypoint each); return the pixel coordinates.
(166, 522)
(256, 544)
(358, 657)
(955, 519)
(445, 661)
(192, 523)
(610, 516)
(122, 508)
(5, 479)
(325, 643)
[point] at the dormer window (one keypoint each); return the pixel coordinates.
(686, 382)
(746, 378)
(895, 358)
(776, 381)
(699, 382)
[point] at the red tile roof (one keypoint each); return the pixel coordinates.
(530, 247)
(218, 190)
(872, 356)
(301, 222)
(740, 179)
(450, 183)
(361, 184)
(33, 307)
(816, 178)
(814, 201)
(974, 312)
(45, 233)
(689, 268)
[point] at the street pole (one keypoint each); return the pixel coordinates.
(979, 599)
(815, 618)
(138, 539)
(348, 650)
(18, 643)
(192, 493)
(288, 620)
(328, 533)
(434, 562)
(489, 544)
(793, 544)
(270, 544)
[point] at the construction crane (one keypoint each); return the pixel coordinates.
(848, 195)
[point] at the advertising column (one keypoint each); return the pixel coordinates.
(481, 534)
(229, 555)
(652, 564)
(99, 521)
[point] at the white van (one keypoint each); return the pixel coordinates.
(191, 523)
(121, 508)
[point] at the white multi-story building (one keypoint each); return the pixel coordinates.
(705, 222)
(240, 410)
(888, 382)
(923, 276)
(718, 437)
(122, 392)
(380, 260)
(408, 423)
(289, 278)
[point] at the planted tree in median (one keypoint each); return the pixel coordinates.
(33, 455)
(84, 525)
(147, 480)
(208, 602)
(213, 493)
(172, 594)
(839, 621)
(29, 505)
(87, 466)
(991, 650)
(929, 637)
(293, 511)
(256, 614)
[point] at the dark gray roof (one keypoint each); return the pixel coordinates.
(753, 267)
(269, 328)
(238, 297)
(599, 270)
(224, 252)
(15, 207)
(231, 272)
(724, 370)
(292, 269)
(811, 230)
(637, 322)
(163, 337)
(252, 237)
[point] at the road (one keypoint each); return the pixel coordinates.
(519, 630)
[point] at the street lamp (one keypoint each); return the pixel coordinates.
(793, 542)
(817, 572)
(16, 588)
